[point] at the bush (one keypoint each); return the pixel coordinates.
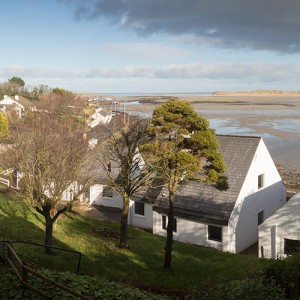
(286, 273)
(247, 289)
(96, 288)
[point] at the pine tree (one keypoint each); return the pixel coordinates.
(184, 147)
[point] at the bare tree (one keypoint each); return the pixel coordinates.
(124, 167)
(50, 155)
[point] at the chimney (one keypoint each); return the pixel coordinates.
(5, 96)
(17, 97)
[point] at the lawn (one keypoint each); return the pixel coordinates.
(140, 265)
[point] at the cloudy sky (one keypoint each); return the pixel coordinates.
(152, 46)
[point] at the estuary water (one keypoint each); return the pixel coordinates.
(279, 126)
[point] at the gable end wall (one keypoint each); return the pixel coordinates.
(243, 222)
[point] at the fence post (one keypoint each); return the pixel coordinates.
(9, 254)
(262, 251)
(24, 273)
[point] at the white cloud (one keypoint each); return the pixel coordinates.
(149, 51)
(21, 71)
(259, 72)
(128, 71)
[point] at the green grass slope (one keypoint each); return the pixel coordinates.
(139, 266)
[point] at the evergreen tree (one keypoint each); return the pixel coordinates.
(184, 147)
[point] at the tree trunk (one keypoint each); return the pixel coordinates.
(170, 228)
(172, 186)
(124, 223)
(49, 235)
(53, 212)
(50, 219)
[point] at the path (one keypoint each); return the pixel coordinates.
(102, 213)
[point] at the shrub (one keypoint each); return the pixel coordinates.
(96, 288)
(286, 273)
(247, 289)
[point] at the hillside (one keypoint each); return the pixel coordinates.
(140, 266)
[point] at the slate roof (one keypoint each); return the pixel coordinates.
(25, 102)
(21, 100)
(204, 203)
(148, 194)
(103, 113)
(8, 101)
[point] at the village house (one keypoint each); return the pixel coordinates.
(226, 220)
(16, 105)
(99, 117)
(279, 235)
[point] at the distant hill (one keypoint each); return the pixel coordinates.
(256, 93)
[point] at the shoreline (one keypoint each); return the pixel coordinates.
(273, 116)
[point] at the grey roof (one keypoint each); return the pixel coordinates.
(148, 194)
(204, 203)
(103, 113)
(25, 102)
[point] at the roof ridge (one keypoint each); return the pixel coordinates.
(240, 136)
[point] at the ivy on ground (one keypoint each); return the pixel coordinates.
(94, 287)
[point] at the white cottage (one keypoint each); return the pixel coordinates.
(9, 104)
(99, 117)
(226, 220)
(279, 235)
(104, 195)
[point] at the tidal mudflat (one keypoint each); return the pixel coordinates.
(276, 118)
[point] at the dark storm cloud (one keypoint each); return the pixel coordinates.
(255, 24)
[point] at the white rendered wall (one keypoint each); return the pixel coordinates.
(97, 198)
(284, 224)
(146, 221)
(70, 192)
(98, 118)
(9, 101)
(191, 232)
(243, 223)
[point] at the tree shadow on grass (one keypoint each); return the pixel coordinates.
(140, 265)
(100, 255)
(19, 223)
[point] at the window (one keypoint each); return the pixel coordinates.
(107, 192)
(164, 223)
(175, 225)
(291, 246)
(215, 233)
(260, 217)
(139, 208)
(71, 193)
(261, 181)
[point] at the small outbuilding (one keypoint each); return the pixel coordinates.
(279, 235)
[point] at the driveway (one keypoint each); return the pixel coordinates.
(98, 212)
